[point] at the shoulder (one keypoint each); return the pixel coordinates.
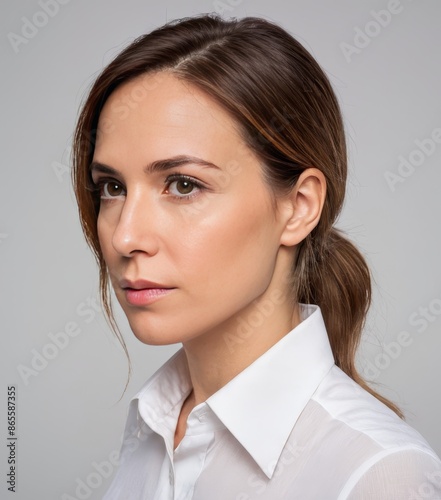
(404, 474)
(345, 402)
(384, 457)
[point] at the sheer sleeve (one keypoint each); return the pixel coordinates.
(403, 475)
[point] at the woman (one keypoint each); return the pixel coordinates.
(209, 168)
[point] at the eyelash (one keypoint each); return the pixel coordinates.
(182, 177)
(97, 187)
(100, 183)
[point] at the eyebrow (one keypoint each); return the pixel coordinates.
(156, 166)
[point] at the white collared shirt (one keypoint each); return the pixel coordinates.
(291, 426)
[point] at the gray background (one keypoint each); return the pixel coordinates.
(69, 417)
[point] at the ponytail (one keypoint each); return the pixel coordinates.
(331, 273)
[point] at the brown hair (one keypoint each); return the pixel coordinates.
(289, 116)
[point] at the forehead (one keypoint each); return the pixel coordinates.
(160, 114)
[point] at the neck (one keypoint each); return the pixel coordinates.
(215, 358)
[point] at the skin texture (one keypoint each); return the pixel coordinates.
(226, 248)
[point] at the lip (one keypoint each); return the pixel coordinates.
(141, 284)
(143, 292)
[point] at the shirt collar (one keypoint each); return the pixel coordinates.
(262, 403)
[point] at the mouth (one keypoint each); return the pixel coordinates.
(143, 292)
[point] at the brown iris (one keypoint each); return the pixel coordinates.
(184, 187)
(113, 189)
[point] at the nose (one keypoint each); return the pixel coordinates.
(136, 230)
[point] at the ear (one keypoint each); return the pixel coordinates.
(303, 206)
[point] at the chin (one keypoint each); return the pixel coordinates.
(154, 334)
(155, 340)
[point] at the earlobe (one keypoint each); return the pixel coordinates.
(304, 206)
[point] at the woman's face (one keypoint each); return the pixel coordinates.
(187, 225)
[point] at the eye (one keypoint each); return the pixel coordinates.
(182, 186)
(110, 189)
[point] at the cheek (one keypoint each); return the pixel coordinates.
(245, 224)
(237, 242)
